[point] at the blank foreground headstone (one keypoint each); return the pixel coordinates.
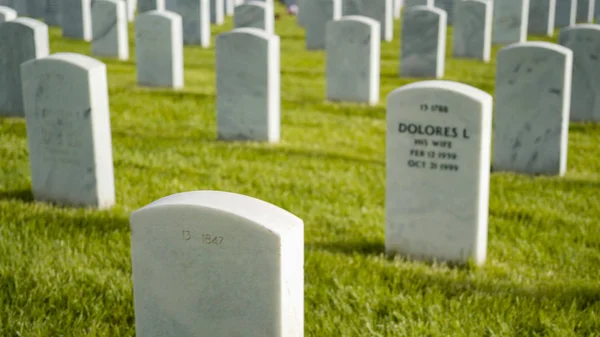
(317, 14)
(531, 115)
(7, 14)
(248, 85)
(353, 52)
(68, 130)
(23, 39)
(159, 49)
(217, 13)
(76, 19)
(472, 37)
(585, 10)
(211, 263)
(423, 42)
(510, 21)
(565, 13)
(254, 14)
(541, 17)
(150, 5)
(195, 20)
(438, 171)
(584, 41)
(109, 29)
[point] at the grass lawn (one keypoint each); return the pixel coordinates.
(67, 272)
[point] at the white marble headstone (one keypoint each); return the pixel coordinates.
(585, 10)
(159, 49)
(76, 19)
(131, 8)
(195, 18)
(317, 14)
(7, 14)
(150, 5)
(584, 41)
(228, 6)
(254, 14)
(448, 7)
(398, 4)
(541, 17)
(380, 10)
(353, 58)
(531, 115)
(510, 21)
(23, 39)
(109, 29)
(423, 42)
(351, 7)
(438, 171)
(565, 13)
(68, 130)
(211, 263)
(53, 13)
(217, 14)
(248, 85)
(472, 35)
(413, 3)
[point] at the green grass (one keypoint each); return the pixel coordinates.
(67, 272)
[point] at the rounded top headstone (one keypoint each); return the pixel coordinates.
(450, 86)
(537, 44)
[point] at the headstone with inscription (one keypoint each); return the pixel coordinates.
(510, 21)
(215, 263)
(150, 5)
(76, 19)
(438, 171)
(248, 85)
(472, 36)
(68, 130)
(413, 3)
(317, 14)
(423, 43)
(159, 49)
(254, 14)
(541, 17)
(109, 29)
(565, 13)
(584, 41)
(353, 52)
(7, 14)
(217, 15)
(585, 10)
(53, 13)
(448, 7)
(23, 39)
(531, 115)
(195, 18)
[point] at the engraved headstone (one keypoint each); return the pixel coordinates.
(531, 115)
(254, 251)
(472, 36)
(565, 13)
(150, 5)
(131, 8)
(353, 52)
(423, 42)
(317, 14)
(159, 49)
(109, 29)
(248, 85)
(584, 41)
(585, 10)
(53, 13)
(510, 21)
(23, 39)
(68, 130)
(438, 171)
(217, 15)
(413, 3)
(7, 14)
(76, 19)
(448, 6)
(541, 17)
(195, 18)
(254, 14)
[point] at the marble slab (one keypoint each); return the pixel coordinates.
(171, 5)
(211, 263)
(565, 13)
(448, 6)
(217, 15)
(109, 29)
(195, 16)
(254, 14)
(541, 17)
(423, 42)
(351, 7)
(159, 49)
(228, 6)
(412, 3)
(77, 19)
(382, 11)
(531, 115)
(584, 41)
(317, 13)
(472, 35)
(398, 4)
(150, 5)
(7, 14)
(23, 39)
(585, 11)
(131, 8)
(510, 21)
(353, 59)
(438, 171)
(248, 85)
(35, 8)
(53, 13)
(68, 130)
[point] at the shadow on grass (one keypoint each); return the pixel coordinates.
(372, 248)
(306, 154)
(172, 93)
(24, 195)
(585, 129)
